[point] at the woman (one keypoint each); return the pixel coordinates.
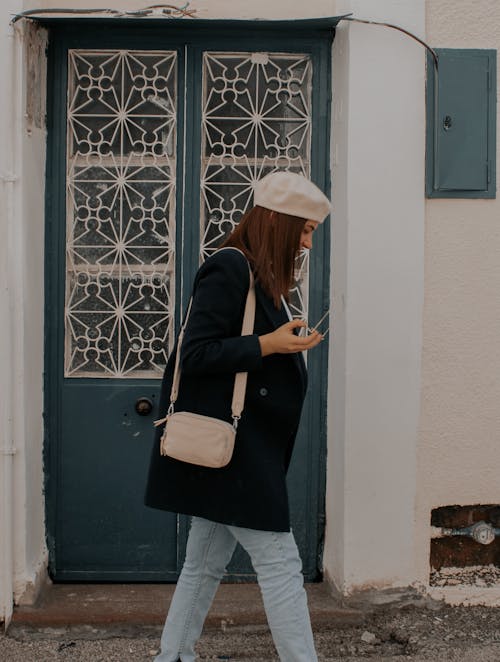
(246, 501)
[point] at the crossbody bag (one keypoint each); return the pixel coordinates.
(198, 439)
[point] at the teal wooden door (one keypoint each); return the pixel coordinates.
(154, 145)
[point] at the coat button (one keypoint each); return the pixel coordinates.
(263, 392)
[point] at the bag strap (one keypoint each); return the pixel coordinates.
(177, 370)
(240, 380)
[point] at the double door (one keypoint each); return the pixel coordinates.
(155, 144)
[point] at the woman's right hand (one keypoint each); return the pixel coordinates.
(284, 341)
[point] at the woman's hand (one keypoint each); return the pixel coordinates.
(284, 341)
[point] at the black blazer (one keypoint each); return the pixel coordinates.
(251, 490)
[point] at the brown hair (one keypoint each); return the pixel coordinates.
(270, 241)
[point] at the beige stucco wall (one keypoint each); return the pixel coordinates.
(459, 440)
(378, 139)
(34, 138)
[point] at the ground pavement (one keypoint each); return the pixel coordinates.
(110, 623)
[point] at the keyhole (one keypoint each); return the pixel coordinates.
(447, 122)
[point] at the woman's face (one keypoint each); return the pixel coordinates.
(306, 238)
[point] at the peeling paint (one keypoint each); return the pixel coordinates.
(35, 39)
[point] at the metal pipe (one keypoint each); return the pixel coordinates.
(482, 532)
(9, 273)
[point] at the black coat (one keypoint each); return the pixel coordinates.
(251, 490)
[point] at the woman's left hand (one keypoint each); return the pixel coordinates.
(284, 341)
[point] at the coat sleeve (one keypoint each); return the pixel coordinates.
(212, 339)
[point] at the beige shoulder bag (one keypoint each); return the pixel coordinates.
(203, 440)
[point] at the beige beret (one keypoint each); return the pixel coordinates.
(292, 194)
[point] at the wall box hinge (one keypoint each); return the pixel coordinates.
(461, 124)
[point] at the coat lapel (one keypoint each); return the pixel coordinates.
(275, 316)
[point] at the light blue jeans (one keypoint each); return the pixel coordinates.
(276, 561)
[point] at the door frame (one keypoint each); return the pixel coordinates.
(65, 34)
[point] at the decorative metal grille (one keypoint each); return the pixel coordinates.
(121, 169)
(256, 119)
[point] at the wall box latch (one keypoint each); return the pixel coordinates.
(461, 124)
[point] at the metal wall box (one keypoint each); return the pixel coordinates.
(461, 124)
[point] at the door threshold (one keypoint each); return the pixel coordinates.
(93, 609)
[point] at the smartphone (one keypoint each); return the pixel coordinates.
(316, 327)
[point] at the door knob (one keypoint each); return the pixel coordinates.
(143, 406)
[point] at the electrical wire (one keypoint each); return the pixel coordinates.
(165, 10)
(173, 10)
(396, 27)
